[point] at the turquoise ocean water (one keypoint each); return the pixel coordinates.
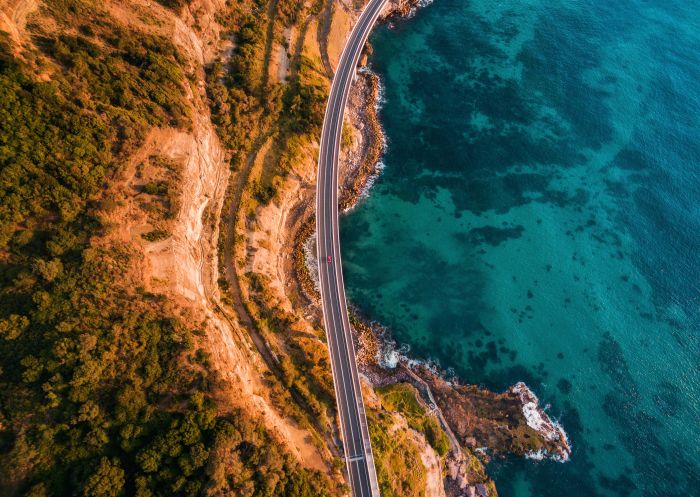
(538, 219)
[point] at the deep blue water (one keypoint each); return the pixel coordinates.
(538, 219)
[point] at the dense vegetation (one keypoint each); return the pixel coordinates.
(174, 4)
(237, 106)
(61, 139)
(103, 391)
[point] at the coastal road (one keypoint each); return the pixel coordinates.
(353, 421)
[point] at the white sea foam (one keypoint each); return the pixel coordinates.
(390, 353)
(421, 4)
(390, 359)
(369, 183)
(537, 455)
(566, 455)
(539, 420)
(380, 100)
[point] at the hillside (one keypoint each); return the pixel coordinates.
(115, 362)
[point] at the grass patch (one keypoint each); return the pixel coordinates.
(401, 397)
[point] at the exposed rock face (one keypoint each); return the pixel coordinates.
(186, 262)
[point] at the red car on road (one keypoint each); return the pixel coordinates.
(329, 259)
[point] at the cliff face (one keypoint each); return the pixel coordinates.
(185, 266)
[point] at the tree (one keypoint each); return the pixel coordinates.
(106, 481)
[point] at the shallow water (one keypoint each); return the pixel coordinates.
(538, 219)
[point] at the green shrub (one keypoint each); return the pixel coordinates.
(400, 471)
(156, 235)
(436, 436)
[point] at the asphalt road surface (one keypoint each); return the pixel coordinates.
(353, 422)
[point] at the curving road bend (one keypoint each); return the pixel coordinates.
(353, 421)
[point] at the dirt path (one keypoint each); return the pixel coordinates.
(298, 49)
(269, 42)
(236, 186)
(324, 29)
(283, 58)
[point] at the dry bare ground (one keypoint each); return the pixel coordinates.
(13, 20)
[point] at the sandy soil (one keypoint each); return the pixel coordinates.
(13, 20)
(278, 68)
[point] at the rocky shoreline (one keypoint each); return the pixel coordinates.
(479, 423)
